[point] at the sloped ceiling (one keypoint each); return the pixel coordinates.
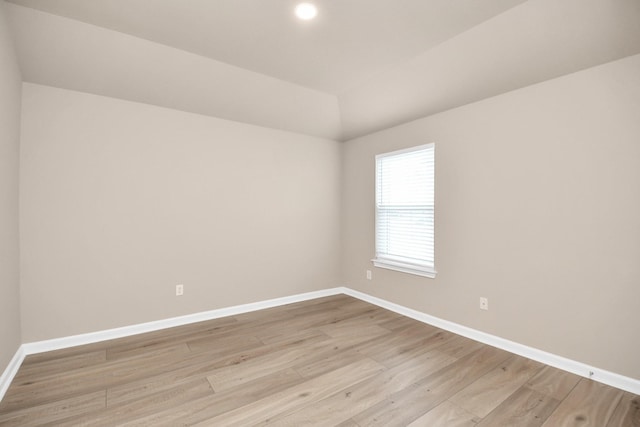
(536, 41)
(363, 65)
(350, 39)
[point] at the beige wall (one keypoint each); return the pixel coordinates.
(122, 201)
(537, 208)
(10, 86)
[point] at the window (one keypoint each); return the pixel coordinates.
(405, 210)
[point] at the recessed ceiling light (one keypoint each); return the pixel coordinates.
(306, 11)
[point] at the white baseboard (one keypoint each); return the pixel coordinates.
(606, 377)
(109, 334)
(603, 376)
(11, 370)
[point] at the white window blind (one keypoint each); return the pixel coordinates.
(405, 210)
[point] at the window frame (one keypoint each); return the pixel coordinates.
(403, 264)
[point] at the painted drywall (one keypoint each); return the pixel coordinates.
(537, 209)
(530, 43)
(10, 87)
(121, 201)
(65, 53)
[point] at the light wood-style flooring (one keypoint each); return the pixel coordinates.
(330, 361)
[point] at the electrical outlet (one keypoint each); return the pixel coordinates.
(179, 290)
(368, 274)
(484, 303)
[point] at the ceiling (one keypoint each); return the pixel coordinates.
(361, 66)
(348, 41)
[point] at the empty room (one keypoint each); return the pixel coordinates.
(328, 213)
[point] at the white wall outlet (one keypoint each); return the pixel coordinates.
(368, 274)
(179, 290)
(484, 303)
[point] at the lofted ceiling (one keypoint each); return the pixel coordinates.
(360, 66)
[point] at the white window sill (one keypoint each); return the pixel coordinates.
(418, 270)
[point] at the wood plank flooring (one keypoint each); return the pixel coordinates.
(334, 361)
